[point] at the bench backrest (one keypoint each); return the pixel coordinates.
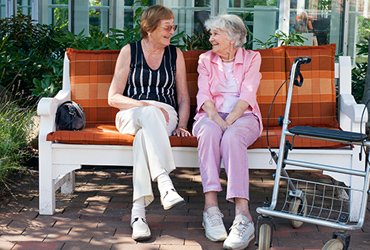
(313, 104)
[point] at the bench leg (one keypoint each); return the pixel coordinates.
(68, 186)
(356, 183)
(46, 181)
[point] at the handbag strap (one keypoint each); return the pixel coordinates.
(78, 108)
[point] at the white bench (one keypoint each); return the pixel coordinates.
(57, 161)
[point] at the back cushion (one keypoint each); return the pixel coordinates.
(273, 75)
(91, 73)
(191, 63)
(315, 102)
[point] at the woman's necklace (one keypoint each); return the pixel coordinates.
(228, 60)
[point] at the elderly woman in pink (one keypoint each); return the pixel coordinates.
(228, 121)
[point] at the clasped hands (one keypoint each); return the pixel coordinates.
(224, 124)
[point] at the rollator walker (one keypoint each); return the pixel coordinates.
(312, 201)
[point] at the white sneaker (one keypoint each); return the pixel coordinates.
(171, 199)
(140, 229)
(213, 224)
(242, 232)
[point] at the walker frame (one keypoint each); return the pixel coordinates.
(310, 201)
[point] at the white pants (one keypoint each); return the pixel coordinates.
(152, 154)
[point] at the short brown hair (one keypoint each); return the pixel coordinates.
(152, 16)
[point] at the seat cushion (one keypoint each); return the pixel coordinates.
(108, 135)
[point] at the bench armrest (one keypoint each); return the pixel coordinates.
(352, 114)
(48, 105)
(46, 109)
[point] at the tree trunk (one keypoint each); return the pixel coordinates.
(366, 96)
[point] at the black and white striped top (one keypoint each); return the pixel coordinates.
(144, 83)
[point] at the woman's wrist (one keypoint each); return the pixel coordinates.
(182, 127)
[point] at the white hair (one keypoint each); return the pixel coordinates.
(233, 25)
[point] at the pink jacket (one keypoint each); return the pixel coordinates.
(246, 72)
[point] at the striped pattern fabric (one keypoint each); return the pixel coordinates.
(145, 83)
(313, 104)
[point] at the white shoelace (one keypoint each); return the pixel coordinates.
(215, 219)
(240, 227)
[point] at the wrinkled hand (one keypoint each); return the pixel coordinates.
(221, 122)
(181, 132)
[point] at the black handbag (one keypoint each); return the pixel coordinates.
(70, 116)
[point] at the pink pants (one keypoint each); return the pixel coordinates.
(229, 146)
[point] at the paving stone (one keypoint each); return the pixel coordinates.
(5, 244)
(29, 245)
(97, 216)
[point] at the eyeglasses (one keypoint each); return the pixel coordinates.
(170, 27)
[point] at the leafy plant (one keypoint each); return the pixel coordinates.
(196, 41)
(294, 39)
(359, 72)
(50, 82)
(16, 124)
(24, 49)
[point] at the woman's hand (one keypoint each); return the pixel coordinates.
(218, 119)
(238, 110)
(212, 113)
(181, 132)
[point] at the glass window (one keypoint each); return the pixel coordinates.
(359, 19)
(201, 14)
(260, 17)
(99, 15)
(2, 9)
(190, 15)
(320, 22)
(124, 12)
(24, 7)
(59, 13)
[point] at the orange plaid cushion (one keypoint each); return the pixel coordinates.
(91, 73)
(273, 75)
(108, 135)
(315, 102)
(191, 62)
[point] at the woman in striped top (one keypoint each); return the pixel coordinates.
(148, 86)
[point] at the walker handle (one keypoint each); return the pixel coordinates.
(303, 60)
(299, 61)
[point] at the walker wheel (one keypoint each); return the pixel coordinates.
(333, 244)
(264, 237)
(296, 207)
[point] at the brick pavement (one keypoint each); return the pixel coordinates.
(97, 216)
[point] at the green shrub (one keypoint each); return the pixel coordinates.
(293, 39)
(359, 71)
(25, 48)
(16, 124)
